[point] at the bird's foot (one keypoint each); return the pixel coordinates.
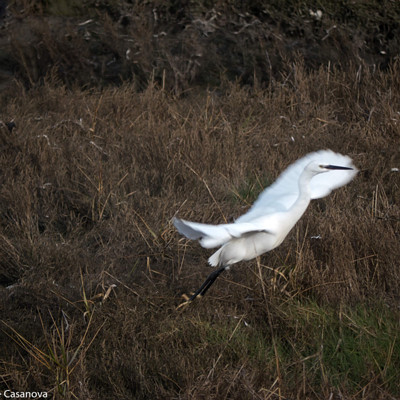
(204, 287)
(187, 301)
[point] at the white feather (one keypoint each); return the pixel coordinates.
(266, 224)
(282, 194)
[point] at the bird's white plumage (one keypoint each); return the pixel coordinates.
(265, 225)
(281, 195)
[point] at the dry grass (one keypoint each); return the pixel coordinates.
(91, 269)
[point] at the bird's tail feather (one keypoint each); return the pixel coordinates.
(214, 260)
(209, 236)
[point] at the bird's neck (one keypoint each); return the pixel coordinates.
(304, 198)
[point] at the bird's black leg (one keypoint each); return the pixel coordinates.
(208, 282)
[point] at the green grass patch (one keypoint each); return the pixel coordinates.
(249, 189)
(345, 347)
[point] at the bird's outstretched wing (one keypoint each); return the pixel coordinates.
(211, 236)
(263, 216)
(282, 194)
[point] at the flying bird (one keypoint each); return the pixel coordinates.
(266, 224)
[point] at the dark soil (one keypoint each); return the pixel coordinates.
(188, 44)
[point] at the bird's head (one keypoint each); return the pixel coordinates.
(316, 167)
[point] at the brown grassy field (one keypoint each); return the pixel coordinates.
(92, 270)
(210, 105)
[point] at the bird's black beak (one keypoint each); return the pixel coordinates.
(336, 167)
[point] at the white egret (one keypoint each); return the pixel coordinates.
(266, 224)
